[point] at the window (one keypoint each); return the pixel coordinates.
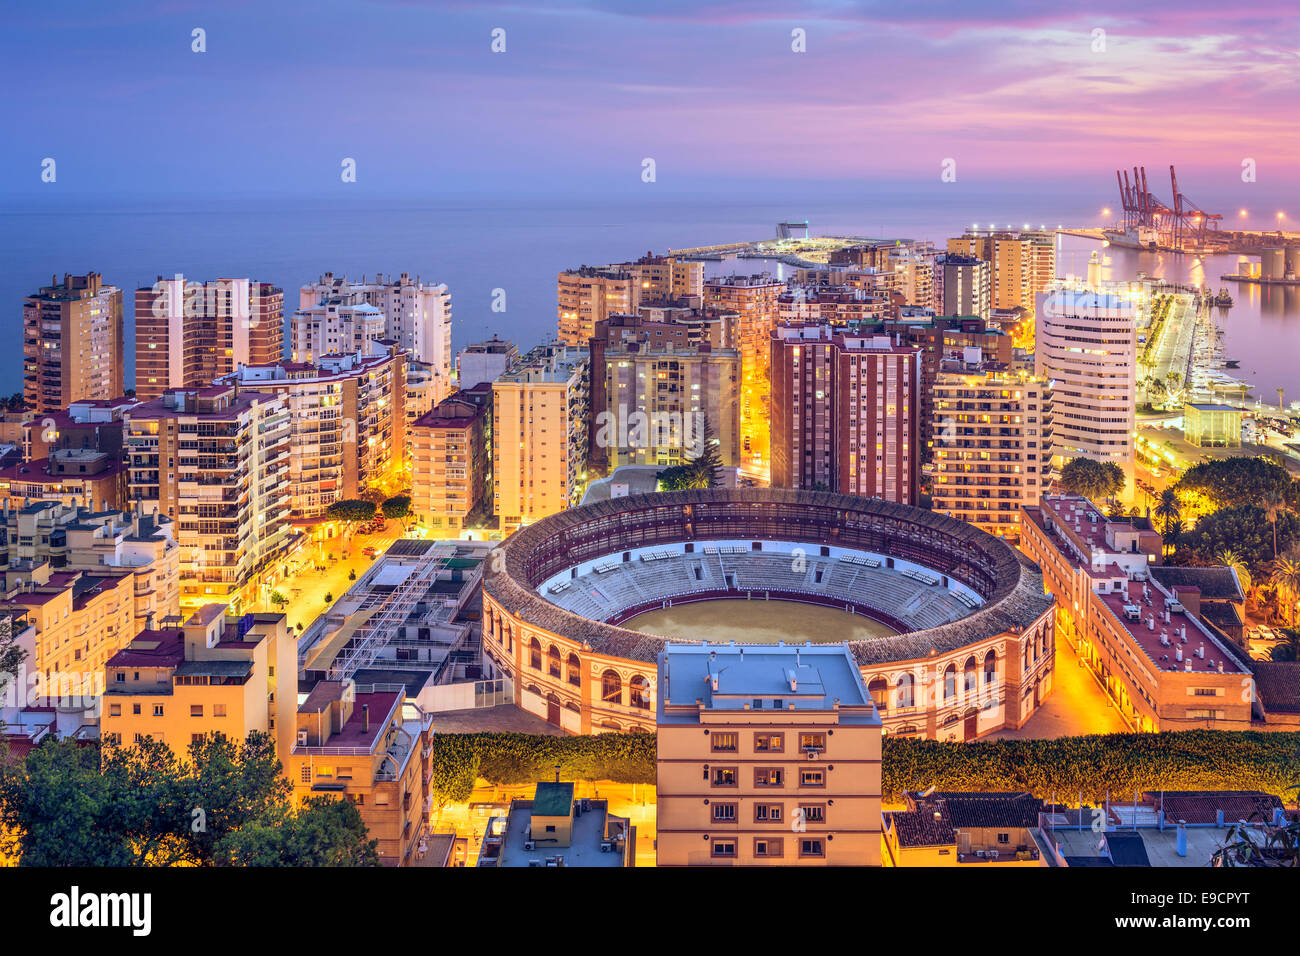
(157, 710)
(115, 710)
(812, 812)
(812, 848)
(906, 694)
(639, 692)
(724, 776)
(724, 848)
(135, 710)
(950, 682)
(767, 777)
(768, 847)
(196, 710)
(1004, 837)
(815, 742)
(611, 687)
(196, 738)
(325, 770)
(724, 743)
(769, 743)
(575, 670)
(218, 710)
(812, 778)
(724, 813)
(768, 813)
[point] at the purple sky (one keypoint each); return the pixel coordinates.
(1014, 92)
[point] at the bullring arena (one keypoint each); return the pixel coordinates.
(950, 625)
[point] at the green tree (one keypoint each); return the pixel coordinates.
(278, 599)
(1092, 479)
(1229, 482)
(707, 465)
(1285, 578)
(322, 832)
(397, 507)
(351, 510)
(1288, 648)
(1245, 531)
(1168, 508)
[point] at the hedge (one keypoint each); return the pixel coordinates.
(1093, 765)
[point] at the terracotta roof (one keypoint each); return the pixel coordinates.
(1011, 584)
(1202, 806)
(1216, 584)
(974, 810)
(928, 827)
(1277, 683)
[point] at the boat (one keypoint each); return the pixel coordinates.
(1143, 237)
(1223, 300)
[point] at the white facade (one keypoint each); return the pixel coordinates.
(1086, 346)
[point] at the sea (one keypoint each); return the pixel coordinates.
(478, 246)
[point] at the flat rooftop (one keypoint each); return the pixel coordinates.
(1151, 608)
(583, 849)
(733, 677)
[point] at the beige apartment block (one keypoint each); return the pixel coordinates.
(539, 431)
(767, 755)
(73, 345)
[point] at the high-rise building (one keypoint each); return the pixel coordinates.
(659, 401)
(845, 413)
(591, 294)
(485, 361)
(413, 314)
(1086, 345)
(348, 423)
(963, 286)
(451, 460)
(666, 277)
(753, 299)
(992, 432)
(73, 344)
(787, 769)
(188, 334)
(1022, 264)
(540, 411)
(216, 461)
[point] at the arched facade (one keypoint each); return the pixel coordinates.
(987, 671)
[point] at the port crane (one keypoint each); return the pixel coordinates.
(1174, 226)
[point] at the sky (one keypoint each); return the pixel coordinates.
(1033, 95)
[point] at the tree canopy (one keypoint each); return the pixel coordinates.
(351, 509)
(702, 471)
(1092, 479)
(69, 804)
(1243, 530)
(1229, 482)
(398, 506)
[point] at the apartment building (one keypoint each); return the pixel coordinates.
(81, 538)
(666, 277)
(1022, 264)
(992, 451)
(963, 286)
(753, 300)
(216, 461)
(188, 334)
(653, 385)
(837, 306)
(68, 475)
(845, 413)
(73, 344)
(947, 828)
(82, 426)
(485, 361)
(347, 417)
(451, 460)
(365, 743)
(540, 411)
(1164, 668)
(332, 317)
(786, 770)
(591, 294)
(215, 674)
(1086, 344)
(81, 618)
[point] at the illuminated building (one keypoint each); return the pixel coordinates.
(451, 459)
(787, 769)
(73, 345)
(188, 334)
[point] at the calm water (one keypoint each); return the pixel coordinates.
(476, 246)
(1262, 329)
(757, 622)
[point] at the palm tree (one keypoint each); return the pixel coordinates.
(1287, 649)
(1230, 559)
(1274, 505)
(1285, 578)
(1168, 509)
